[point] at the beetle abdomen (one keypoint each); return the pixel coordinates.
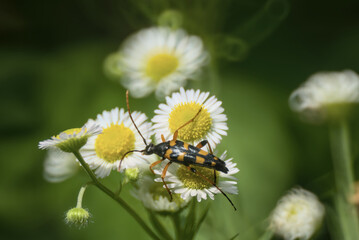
(187, 154)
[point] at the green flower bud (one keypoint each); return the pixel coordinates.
(170, 18)
(77, 216)
(132, 174)
(112, 65)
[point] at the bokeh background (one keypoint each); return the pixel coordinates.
(52, 78)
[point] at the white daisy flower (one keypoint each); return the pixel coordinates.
(71, 139)
(155, 197)
(104, 151)
(160, 59)
(297, 215)
(188, 184)
(59, 166)
(324, 90)
(210, 124)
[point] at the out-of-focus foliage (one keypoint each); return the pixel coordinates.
(52, 78)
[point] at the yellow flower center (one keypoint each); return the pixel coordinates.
(195, 181)
(195, 130)
(114, 142)
(293, 211)
(70, 131)
(73, 143)
(161, 65)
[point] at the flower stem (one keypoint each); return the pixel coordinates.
(112, 195)
(267, 235)
(344, 179)
(177, 225)
(80, 196)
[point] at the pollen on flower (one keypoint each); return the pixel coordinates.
(161, 65)
(195, 181)
(114, 142)
(195, 130)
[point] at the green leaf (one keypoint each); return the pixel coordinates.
(158, 226)
(190, 221)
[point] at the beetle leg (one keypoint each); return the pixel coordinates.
(175, 135)
(210, 149)
(202, 144)
(163, 138)
(214, 170)
(214, 176)
(163, 179)
(211, 152)
(154, 164)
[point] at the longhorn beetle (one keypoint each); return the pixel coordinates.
(182, 153)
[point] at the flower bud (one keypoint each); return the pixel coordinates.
(170, 18)
(132, 174)
(77, 216)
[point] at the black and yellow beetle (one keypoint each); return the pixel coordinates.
(182, 153)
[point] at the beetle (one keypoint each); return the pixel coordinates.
(177, 151)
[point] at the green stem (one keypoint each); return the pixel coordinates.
(80, 196)
(177, 225)
(344, 179)
(114, 197)
(267, 235)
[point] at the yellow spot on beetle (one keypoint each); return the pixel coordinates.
(168, 153)
(185, 145)
(199, 160)
(181, 156)
(204, 153)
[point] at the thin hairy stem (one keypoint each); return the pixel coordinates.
(112, 195)
(80, 196)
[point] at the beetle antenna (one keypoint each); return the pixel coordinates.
(124, 155)
(129, 112)
(215, 185)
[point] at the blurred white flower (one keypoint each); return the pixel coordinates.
(59, 166)
(210, 124)
(297, 215)
(71, 139)
(155, 197)
(103, 152)
(160, 59)
(189, 184)
(324, 90)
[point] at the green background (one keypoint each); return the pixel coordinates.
(52, 78)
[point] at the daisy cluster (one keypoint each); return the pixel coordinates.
(110, 138)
